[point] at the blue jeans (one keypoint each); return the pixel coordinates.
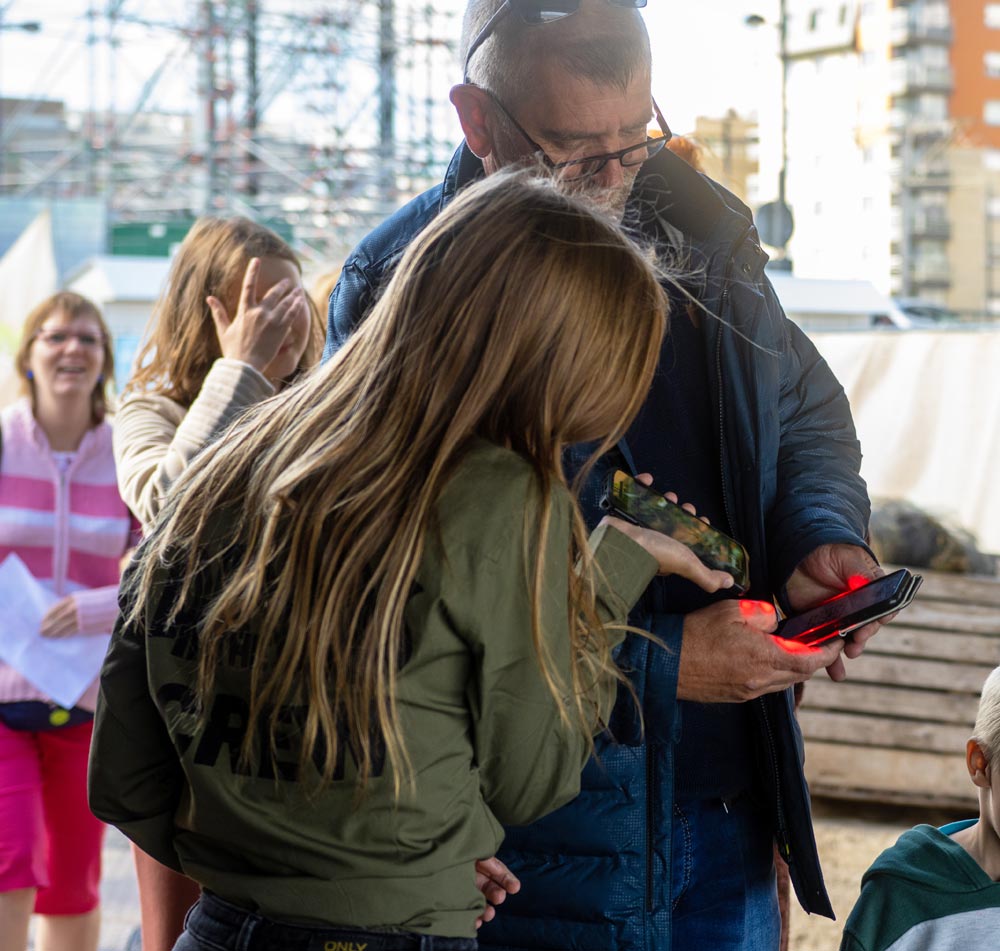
(216, 925)
(725, 895)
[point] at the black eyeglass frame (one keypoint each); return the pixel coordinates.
(651, 146)
(532, 12)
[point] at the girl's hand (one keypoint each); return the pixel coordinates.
(673, 557)
(61, 619)
(259, 328)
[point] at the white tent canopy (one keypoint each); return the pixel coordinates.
(927, 408)
(27, 275)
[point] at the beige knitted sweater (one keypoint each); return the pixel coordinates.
(155, 438)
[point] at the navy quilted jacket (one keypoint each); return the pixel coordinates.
(596, 873)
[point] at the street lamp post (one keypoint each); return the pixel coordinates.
(776, 218)
(27, 26)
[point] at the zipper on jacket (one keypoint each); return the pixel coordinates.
(60, 541)
(650, 821)
(722, 439)
(782, 836)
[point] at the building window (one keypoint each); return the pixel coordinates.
(991, 160)
(991, 15)
(993, 208)
(992, 62)
(991, 112)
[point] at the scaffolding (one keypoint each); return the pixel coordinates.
(326, 114)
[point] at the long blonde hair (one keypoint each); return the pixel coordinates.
(519, 316)
(182, 343)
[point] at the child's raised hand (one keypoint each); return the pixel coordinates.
(259, 328)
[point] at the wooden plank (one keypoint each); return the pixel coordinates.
(968, 589)
(952, 616)
(891, 732)
(931, 674)
(902, 639)
(874, 773)
(851, 696)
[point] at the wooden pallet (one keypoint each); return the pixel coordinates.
(895, 731)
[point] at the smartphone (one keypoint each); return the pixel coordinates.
(633, 501)
(852, 609)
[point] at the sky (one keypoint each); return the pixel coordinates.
(705, 58)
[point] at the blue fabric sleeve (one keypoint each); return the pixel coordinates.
(821, 498)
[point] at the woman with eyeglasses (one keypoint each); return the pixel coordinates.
(232, 327)
(61, 515)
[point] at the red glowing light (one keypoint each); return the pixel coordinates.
(749, 608)
(857, 581)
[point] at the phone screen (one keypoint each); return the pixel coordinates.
(645, 507)
(852, 609)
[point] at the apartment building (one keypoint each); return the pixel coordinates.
(894, 145)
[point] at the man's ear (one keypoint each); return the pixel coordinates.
(977, 763)
(473, 107)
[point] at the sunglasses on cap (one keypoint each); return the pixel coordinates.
(534, 12)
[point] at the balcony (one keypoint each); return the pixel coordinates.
(908, 78)
(931, 225)
(931, 272)
(913, 26)
(917, 127)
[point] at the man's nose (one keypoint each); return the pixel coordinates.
(611, 176)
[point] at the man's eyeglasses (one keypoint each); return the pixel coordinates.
(590, 165)
(59, 338)
(535, 12)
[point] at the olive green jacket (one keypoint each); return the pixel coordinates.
(481, 726)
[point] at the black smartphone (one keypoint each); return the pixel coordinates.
(633, 501)
(852, 609)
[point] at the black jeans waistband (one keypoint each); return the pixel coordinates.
(217, 925)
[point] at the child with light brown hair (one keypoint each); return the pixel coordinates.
(370, 628)
(233, 327)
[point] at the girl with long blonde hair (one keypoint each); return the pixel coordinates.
(370, 627)
(232, 327)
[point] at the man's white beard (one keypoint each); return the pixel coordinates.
(611, 201)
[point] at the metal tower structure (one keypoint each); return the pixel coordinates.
(325, 114)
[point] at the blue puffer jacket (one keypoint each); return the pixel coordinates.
(596, 873)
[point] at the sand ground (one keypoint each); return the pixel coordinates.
(849, 837)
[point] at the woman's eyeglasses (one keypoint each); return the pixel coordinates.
(535, 12)
(59, 338)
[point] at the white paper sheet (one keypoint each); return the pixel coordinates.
(62, 668)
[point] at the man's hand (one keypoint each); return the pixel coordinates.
(728, 654)
(495, 881)
(828, 571)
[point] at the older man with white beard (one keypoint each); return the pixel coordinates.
(670, 843)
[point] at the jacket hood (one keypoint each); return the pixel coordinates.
(930, 858)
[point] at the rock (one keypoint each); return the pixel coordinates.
(904, 534)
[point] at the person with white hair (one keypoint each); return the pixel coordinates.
(940, 888)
